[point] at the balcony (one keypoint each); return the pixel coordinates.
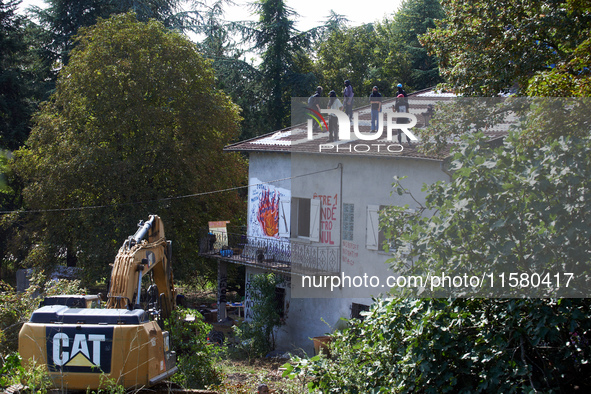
(278, 255)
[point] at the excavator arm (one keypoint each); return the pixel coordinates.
(147, 250)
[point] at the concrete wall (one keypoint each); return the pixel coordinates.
(306, 317)
(334, 180)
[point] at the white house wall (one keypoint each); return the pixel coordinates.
(360, 180)
(366, 181)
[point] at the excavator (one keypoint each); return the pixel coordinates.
(123, 343)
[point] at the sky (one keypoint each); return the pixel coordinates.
(312, 12)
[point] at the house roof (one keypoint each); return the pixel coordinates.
(295, 138)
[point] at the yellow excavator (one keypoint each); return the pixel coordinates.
(87, 348)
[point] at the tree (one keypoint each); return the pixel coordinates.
(280, 44)
(136, 123)
(349, 54)
(16, 94)
(405, 59)
(513, 207)
(487, 47)
(63, 18)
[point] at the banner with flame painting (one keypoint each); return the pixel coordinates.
(269, 210)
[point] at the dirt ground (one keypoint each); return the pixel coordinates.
(244, 376)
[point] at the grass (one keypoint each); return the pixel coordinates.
(243, 376)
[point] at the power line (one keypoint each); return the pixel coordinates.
(166, 198)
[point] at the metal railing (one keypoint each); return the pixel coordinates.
(284, 255)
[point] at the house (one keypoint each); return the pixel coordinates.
(313, 217)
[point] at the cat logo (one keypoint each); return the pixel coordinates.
(81, 349)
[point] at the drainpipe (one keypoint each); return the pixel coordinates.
(341, 217)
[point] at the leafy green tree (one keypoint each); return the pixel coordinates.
(135, 124)
(280, 44)
(63, 18)
(510, 209)
(349, 54)
(457, 346)
(487, 47)
(16, 94)
(405, 59)
(241, 80)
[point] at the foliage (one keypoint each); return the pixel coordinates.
(571, 77)
(16, 308)
(280, 45)
(256, 336)
(381, 54)
(195, 355)
(63, 18)
(486, 47)
(349, 54)
(34, 377)
(19, 80)
(135, 123)
(508, 209)
(459, 346)
(404, 58)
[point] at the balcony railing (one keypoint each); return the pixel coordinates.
(297, 257)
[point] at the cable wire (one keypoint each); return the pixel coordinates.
(166, 198)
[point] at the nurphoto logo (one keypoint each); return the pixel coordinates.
(388, 120)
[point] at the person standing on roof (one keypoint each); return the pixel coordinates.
(375, 99)
(314, 103)
(348, 99)
(401, 105)
(333, 121)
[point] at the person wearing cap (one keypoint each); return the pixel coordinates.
(348, 99)
(375, 99)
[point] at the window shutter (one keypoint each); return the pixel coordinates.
(284, 218)
(315, 220)
(372, 227)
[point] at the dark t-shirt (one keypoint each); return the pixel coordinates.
(377, 96)
(314, 100)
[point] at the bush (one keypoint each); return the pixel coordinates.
(34, 377)
(256, 336)
(459, 346)
(196, 357)
(16, 309)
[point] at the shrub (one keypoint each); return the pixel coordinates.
(459, 346)
(195, 355)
